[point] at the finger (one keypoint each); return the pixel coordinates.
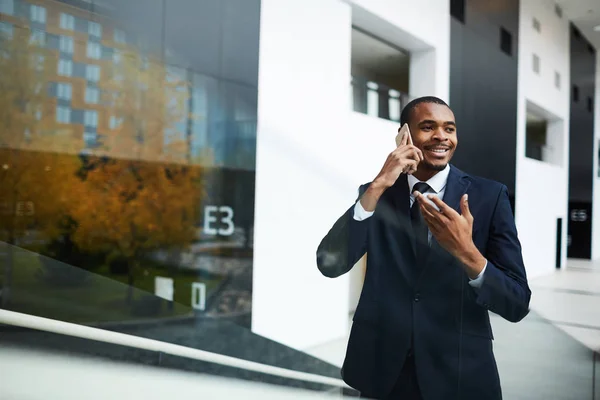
(464, 207)
(443, 207)
(434, 224)
(414, 154)
(411, 166)
(415, 151)
(428, 215)
(410, 151)
(419, 153)
(428, 206)
(404, 140)
(423, 200)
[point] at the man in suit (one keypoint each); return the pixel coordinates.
(442, 250)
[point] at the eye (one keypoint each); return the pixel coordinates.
(450, 130)
(426, 127)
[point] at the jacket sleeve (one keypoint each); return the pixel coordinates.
(504, 290)
(345, 243)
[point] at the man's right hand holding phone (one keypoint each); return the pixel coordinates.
(404, 159)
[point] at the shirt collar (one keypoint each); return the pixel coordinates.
(436, 182)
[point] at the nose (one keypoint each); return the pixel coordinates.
(440, 134)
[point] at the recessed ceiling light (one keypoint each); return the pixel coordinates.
(597, 28)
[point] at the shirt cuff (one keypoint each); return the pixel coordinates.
(477, 282)
(360, 214)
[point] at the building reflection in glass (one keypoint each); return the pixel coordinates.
(126, 154)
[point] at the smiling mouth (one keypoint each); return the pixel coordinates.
(438, 150)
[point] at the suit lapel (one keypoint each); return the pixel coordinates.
(457, 185)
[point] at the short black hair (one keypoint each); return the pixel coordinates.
(408, 109)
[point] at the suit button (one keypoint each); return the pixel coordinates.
(417, 297)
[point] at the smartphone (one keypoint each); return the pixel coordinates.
(404, 130)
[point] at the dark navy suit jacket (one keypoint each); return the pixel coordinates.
(432, 303)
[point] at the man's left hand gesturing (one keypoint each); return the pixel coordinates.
(453, 231)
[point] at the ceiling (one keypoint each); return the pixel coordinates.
(585, 14)
(375, 55)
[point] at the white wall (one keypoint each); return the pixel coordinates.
(313, 152)
(596, 199)
(536, 209)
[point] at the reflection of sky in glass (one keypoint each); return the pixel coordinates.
(7, 7)
(220, 118)
(201, 86)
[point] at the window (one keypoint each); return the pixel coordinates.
(67, 21)
(115, 122)
(119, 36)
(90, 138)
(38, 61)
(38, 87)
(536, 64)
(506, 41)
(64, 91)
(590, 104)
(543, 135)
(38, 37)
(63, 115)
(372, 99)
(6, 30)
(557, 79)
(65, 67)
(535, 137)
(457, 9)
(536, 25)
(38, 114)
(66, 44)
(37, 14)
(117, 57)
(95, 29)
(94, 50)
(377, 90)
(92, 95)
(575, 93)
(7, 7)
(144, 63)
(90, 118)
(92, 73)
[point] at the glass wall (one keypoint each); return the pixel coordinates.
(127, 154)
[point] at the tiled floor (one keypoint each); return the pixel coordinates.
(550, 354)
(570, 299)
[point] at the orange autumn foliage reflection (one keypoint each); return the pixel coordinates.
(135, 191)
(141, 192)
(37, 156)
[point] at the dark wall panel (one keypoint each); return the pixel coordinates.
(483, 89)
(581, 156)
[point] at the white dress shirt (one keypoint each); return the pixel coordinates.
(437, 185)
